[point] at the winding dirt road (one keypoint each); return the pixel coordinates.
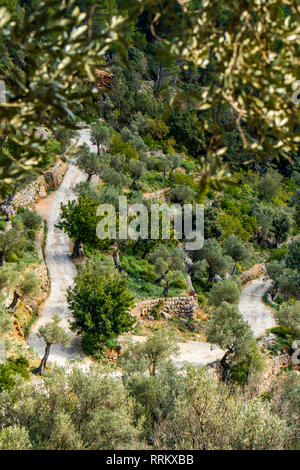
(61, 269)
(62, 273)
(255, 312)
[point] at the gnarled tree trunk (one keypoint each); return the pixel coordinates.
(77, 252)
(2, 255)
(15, 301)
(166, 289)
(43, 363)
(117, 259)
(233, 269)
(190, 285)
(224, 364)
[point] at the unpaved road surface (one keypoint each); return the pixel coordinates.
(197, 353)
(255, 312)
(61, 269)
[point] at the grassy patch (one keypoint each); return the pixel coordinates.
(141, 277)
(152, 181)
(29, 324)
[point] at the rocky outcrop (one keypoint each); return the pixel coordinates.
(102, 79)
(269, 300)
(42, 133)
(168, 307)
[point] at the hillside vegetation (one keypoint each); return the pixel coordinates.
(186, 103)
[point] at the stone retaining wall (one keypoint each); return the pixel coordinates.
(253, 273)
(31, 302)
(38, 188)
(177, 306)
(160, 194)
(273, 367)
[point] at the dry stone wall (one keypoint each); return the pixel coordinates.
(253, 273)
(38, 188)
(185, 307)
(160, 194)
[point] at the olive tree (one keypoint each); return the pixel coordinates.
(137, 170)
(269, 185)
(289, 315)
(182, 194)
(114, 177)
(139, 357)
(88, 161)
(51, 333)
(228, 291)
(227, 328)
(209, 415)
(12, 240)
(286, 280)
(174, 162)
(73, 410)
(218, 262)
(237, 249)
(101, 134)
(168, 263)
(25, 284)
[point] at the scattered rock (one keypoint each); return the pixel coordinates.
(18, 329)
(268, 340)
(166, 316)
(42, 133)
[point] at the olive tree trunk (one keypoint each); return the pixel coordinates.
(15, 301)
(77, 252)
(43, 363)
(166, 289)
(224, 364)
(2, 255)
(116, 259)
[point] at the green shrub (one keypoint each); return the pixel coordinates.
(179, 178)
(156, 311)
(179, 283)
(285, 332)
(30, 218)
(278, 254)
(9, 369)
(31, 234)
(2, 223)
(239, 372)
(12, 257)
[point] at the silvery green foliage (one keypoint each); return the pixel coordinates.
(60, 58)
(253, 60)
